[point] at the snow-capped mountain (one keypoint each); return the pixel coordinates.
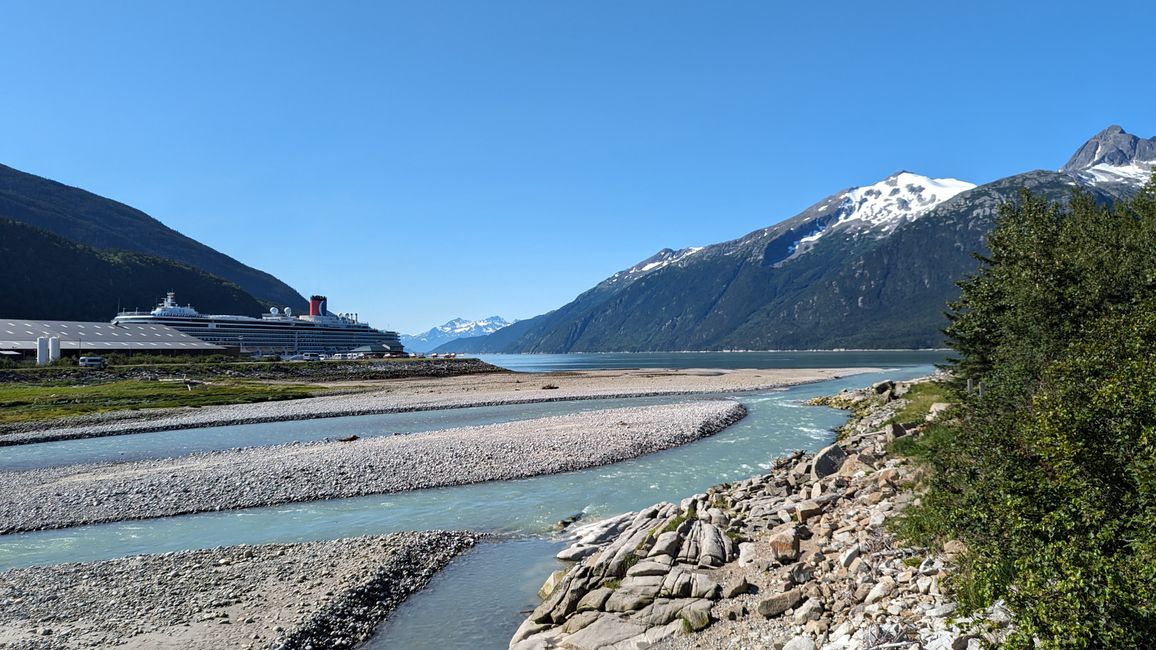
(875, 209)
(867, 267)
(1113, 157)
(455, 329)
(885, 205)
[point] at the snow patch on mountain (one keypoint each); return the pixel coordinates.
(662, 259)
(455, 329)
(1136, 173)
(884, 205)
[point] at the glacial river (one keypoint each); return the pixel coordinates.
(486, 589)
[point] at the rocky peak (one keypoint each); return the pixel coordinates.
(661, 259)
(1114, 147)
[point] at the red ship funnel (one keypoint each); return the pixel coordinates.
(317, 305)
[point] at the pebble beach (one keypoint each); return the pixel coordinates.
(329, 594)
(261, 476)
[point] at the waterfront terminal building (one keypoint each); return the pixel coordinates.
(19, 338)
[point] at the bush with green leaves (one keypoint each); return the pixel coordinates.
(1049, 476)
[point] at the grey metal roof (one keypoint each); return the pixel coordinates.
(372, 348)
(21, 334)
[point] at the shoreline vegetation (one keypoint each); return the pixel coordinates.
(1046, 470)
(51, 394)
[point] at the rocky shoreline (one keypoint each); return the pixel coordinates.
(261, 476)
(424, 394)
(330, 594)
(796, 559)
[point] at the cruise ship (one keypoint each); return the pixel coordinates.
(278, 332)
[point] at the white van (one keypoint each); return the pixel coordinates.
(92, 362)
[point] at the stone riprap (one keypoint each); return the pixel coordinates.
(798, 558)
(330, 594)
(80, 494)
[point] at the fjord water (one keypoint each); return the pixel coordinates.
(725, 360)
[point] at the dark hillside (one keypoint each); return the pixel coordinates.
(95, 221)
(48, 277)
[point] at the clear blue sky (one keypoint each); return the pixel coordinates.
(418, 161)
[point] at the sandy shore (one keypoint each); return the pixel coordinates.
(329, 594)
(261, 476)
(416, 394)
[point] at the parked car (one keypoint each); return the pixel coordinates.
(92, 362)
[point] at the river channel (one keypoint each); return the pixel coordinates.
(477, 602)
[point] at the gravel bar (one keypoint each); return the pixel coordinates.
(407, 395)
(83, 494)
(330, 594)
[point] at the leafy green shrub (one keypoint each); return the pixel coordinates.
(1048, 475)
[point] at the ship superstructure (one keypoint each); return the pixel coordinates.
(278, 332)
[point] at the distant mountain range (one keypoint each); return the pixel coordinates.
(455, 329)
(867, 267)
(102, 224)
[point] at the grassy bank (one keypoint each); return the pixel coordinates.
(213, 370)
(28, 403)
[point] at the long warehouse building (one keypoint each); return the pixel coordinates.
(18, 338)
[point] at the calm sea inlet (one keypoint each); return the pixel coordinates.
(486, 590)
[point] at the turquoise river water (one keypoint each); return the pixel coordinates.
(479, 600)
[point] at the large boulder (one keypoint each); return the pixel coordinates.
(785, 546)
(881, 590)
(712, 547)
(827, 462)
(807, 510)
(606, 631)
(666, 543)
(697, 614)
(595, 599)
(800, 643)
(551, 584)
(779, 603)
